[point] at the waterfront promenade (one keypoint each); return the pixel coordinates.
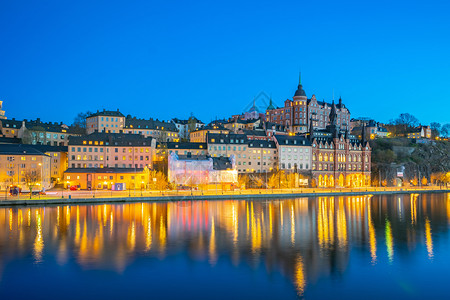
(57, 197)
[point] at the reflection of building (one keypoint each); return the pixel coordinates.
(298, 112)
(24, 166)
(201, 170)
(309, 240)
(107, 178)
(118, 150)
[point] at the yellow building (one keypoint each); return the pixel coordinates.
(107, 178)
(24, 166)
(199, 135)
(108, 121)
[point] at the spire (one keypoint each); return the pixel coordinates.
(300, 92)
(311, 129)
(363, 133)
(271, 106)
(333, 114)
(299, 78)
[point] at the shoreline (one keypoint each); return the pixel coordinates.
(171, 198)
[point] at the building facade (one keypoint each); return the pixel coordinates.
(159, 130)
(113, 150)
(298, 112)
(106, 120)
(294, 153)
(22, 166)
(252, 156)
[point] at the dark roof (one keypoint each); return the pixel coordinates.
(19, 149)
(213, 126)
(13, 123)
(8, 140)
(47, 148)
(261, 144)
(112, 139)
(107, 113)
(104, 170)
(254, 132)
(221, 163)
(134, 123)
(290, 140)
(300, 92)
(173, 145)
(226, 138)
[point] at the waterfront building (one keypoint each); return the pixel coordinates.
(58, 160)
(297, 113)
(200, 170)
(107, 178)
(106, 120)
(161, 131)
(294, 153)
(111, 150)
(251, 155)
(24, 165)
(338, 158)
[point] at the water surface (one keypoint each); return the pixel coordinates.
(395, 247)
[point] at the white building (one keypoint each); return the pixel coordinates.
(294, 152)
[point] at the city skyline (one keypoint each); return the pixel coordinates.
(73, 59)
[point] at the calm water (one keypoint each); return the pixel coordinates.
(327, 247)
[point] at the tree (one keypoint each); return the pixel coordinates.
(445, 130)
(80, 119)
(32, 179)
(407, 119)
(243, 181)
(435, 129)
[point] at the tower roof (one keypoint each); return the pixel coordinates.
(300, 92)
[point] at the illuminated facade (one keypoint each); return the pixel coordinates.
(294, 153)
(114, 150)
(107, 178)
(298, 112)
(106, 120)
(20, 164)
(200, 135)
(202, 170)
(159, 130)
(252, 156)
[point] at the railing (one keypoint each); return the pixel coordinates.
(98, 194)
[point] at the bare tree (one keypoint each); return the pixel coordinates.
(32, 179)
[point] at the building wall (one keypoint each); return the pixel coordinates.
(100, 181)
(294, 157)
(160, 135)
(341, 165)
(249, 158)
(108, 123)
(13, 169)
(100, 156)
(297, 113)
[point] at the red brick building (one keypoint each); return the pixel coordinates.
(297, 113)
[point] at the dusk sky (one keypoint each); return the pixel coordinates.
(166, 59)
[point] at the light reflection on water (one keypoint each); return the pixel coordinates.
(307, 241)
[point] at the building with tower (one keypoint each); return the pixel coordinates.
(298, 112)
(339, 159)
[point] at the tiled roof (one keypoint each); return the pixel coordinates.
(292, 140)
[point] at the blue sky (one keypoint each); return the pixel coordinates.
(166, 59)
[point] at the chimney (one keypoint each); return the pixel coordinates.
(38, 120)
(104, 109)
